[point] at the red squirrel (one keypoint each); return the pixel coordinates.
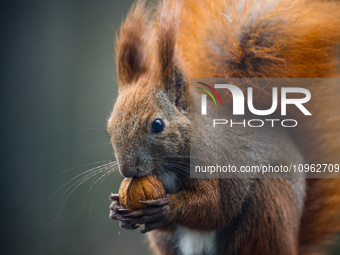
(159, 48)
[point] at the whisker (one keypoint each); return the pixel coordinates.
(90, 208)
(105, 177)
(166, 170)
(109, 169)
(179, 166)
(84, 179)
(180, 156)
(77, 184)
(107, 172)
(83, 173)
(97, 173)
(70, 169)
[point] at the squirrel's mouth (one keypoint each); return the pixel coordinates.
(145, 174)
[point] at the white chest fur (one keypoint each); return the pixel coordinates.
(195, 242)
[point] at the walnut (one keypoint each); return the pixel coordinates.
(143, 188)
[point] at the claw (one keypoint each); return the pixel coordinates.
(116, 207)
(153, 216)
(127, 226)
(135, 213)
(114, 197)
(161, 201)
(146, 211)
(148, 219)
(115, 216)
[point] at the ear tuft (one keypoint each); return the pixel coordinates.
(130, 45)
(170, 74)
(168, 22)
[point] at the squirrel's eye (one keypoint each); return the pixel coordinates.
(157, 126)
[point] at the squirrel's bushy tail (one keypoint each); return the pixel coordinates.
(277, 39)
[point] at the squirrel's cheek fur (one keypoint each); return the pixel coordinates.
(157, 54)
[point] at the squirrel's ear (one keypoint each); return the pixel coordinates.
(170, 74)
(130, 45)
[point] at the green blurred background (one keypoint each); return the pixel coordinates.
(58, 86)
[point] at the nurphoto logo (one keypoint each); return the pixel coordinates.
(239, 100)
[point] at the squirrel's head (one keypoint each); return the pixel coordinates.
(149, 123)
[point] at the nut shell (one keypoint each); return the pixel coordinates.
(143, 188)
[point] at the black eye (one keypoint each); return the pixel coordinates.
(157, 126)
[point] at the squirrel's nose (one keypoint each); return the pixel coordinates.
(127, 171)
(130, 170)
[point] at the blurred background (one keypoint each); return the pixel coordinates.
(58, 86)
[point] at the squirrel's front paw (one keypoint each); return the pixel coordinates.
(154, 216)
(118, 211)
